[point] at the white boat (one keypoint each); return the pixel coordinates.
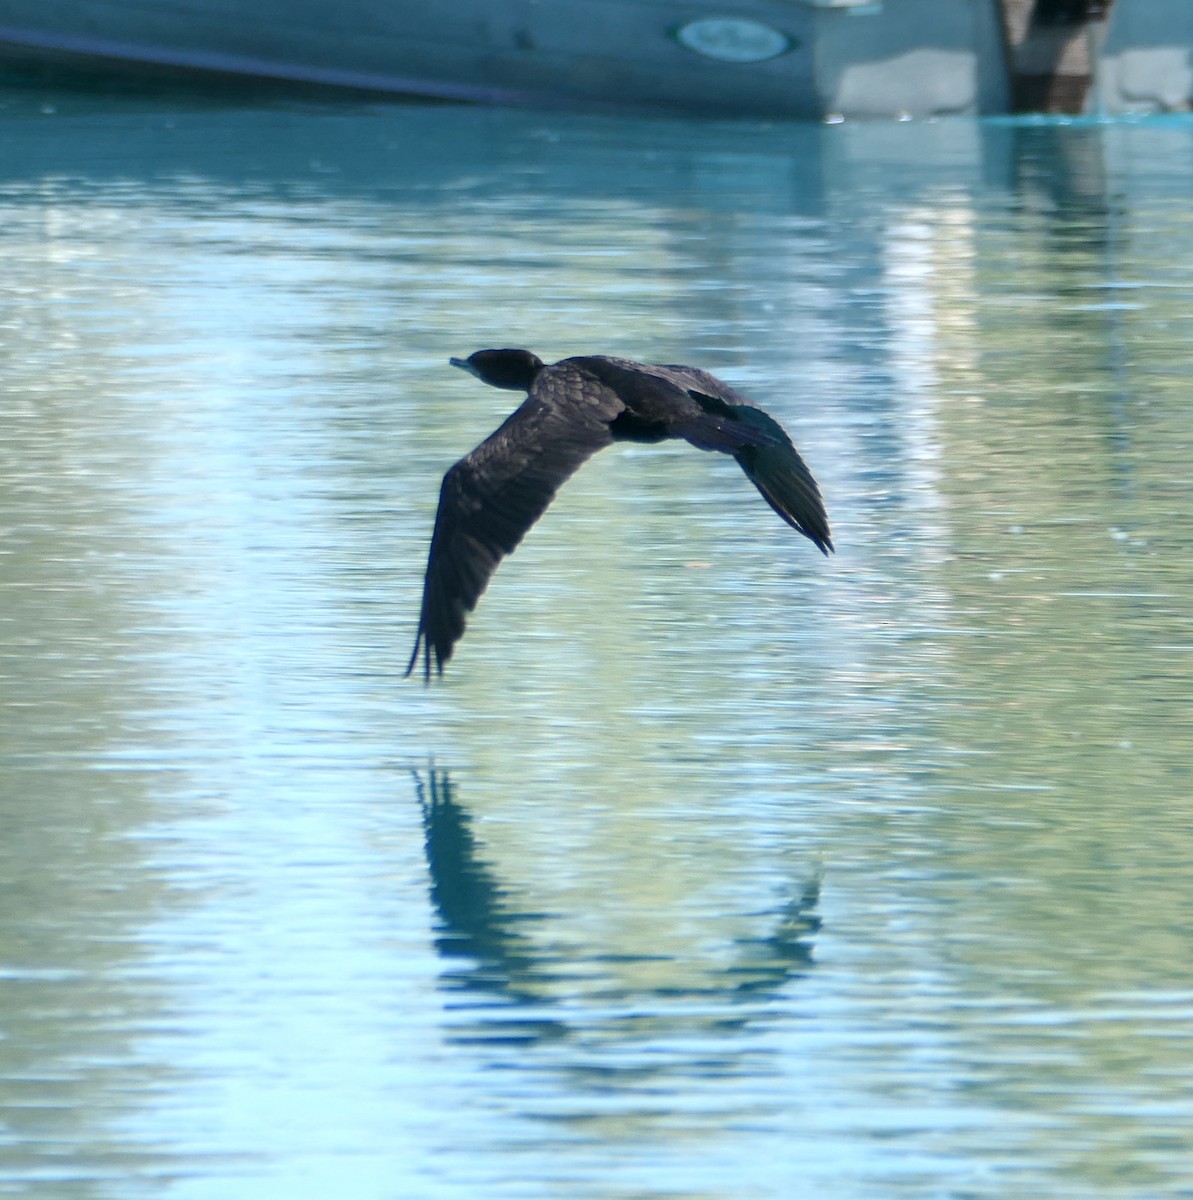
(1145, 58)
(762, 58)
(808, 58)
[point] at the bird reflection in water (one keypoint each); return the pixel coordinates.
(522, 987)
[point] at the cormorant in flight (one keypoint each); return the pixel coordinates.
(574, 408)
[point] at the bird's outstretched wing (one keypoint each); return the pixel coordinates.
(776, 469)
(492, 496)
(766, 454)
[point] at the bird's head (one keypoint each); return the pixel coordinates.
(513, 369)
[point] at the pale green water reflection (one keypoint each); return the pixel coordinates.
(712, 869)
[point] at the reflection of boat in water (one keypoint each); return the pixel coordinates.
(760, 58)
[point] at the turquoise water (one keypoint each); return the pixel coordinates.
(712, 869)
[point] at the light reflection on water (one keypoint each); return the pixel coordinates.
(711, 869)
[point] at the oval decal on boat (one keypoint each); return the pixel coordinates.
(733, 39)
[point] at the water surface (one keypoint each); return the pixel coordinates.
(713, 869)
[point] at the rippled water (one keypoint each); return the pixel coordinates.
(713, 869)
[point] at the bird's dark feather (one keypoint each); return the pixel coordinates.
(492, 496)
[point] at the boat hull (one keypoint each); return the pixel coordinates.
(807, 58)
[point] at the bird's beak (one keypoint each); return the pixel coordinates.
(463, 364)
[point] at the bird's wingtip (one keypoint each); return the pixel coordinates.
(421, 643)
